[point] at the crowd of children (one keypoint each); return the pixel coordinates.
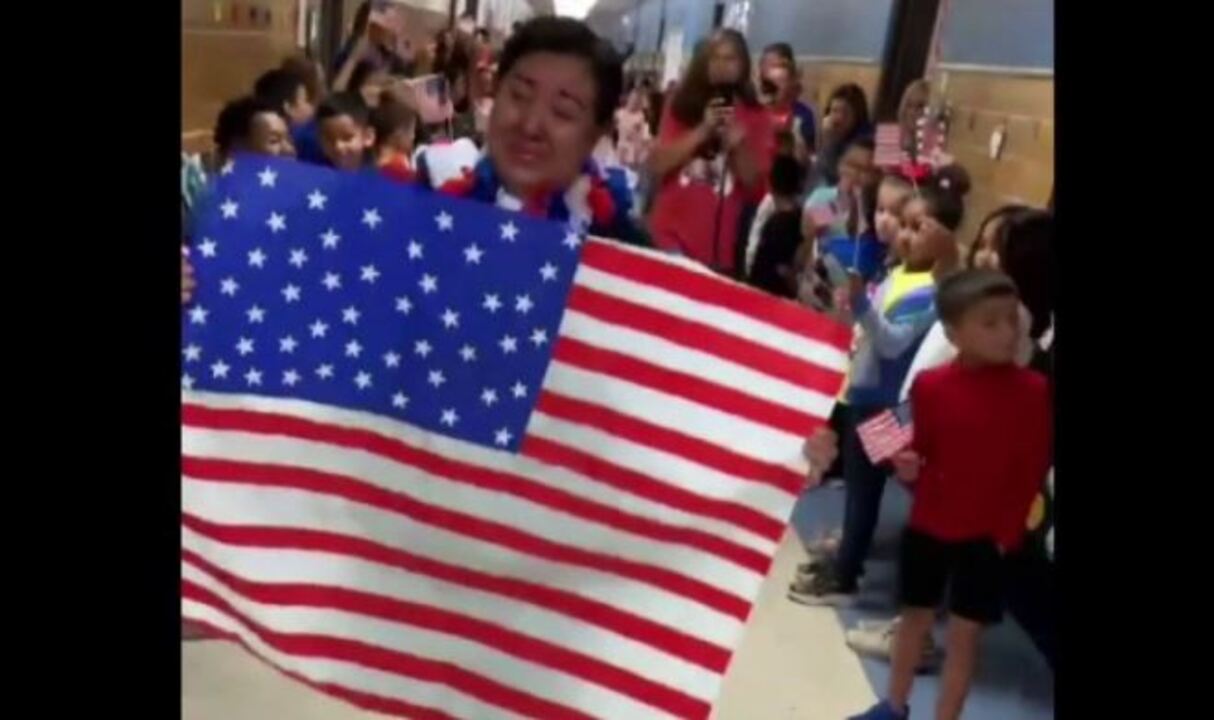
(801, 212)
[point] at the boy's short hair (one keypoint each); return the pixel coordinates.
(346, 103)
(235, 121)
(391, 115)
(959, 293)
(279, 87)
(787, 176)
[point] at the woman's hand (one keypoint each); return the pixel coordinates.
(906, 466)
(187, 279)
(820, 450)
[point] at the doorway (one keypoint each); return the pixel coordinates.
(908, 44)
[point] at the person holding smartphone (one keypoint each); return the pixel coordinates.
(780, 90)
(712, 156)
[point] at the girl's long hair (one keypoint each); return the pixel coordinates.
(695, 89)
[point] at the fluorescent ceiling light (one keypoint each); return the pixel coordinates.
(573, 8)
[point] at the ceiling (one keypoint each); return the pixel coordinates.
(546, 7)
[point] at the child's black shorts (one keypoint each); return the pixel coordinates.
(972, 570)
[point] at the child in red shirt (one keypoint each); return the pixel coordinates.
(982, 436)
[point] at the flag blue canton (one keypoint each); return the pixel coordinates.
(354, 291)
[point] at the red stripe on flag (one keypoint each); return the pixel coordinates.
(648, 270)
(391, 661)
(690, 387)
(672, 441)
(706, 339)
(656, 635)
(473, 475)
(428, 617)
(495, 533)
(641, 485)
(366, 701)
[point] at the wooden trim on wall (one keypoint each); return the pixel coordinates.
(837, 60)
(998, 70)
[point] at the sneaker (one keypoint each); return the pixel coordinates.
(813, 567)
(823, 589)
(876, 640)
(882, 711)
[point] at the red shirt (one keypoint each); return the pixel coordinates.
(984, 435)
(685, 208)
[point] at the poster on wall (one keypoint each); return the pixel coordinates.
(737, 15)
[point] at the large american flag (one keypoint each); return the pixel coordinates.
(446, 461)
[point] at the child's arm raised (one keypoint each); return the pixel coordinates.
(890, 338)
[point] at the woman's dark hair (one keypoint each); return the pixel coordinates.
(787, 176)
(278, 87)
(695, 90)
(309, 72)
(995, 215)
(565, 36)
(854, 96)
(235, 121)
(944, 195)
(1025, 244)
(784, 50)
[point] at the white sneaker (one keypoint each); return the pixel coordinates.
(875, 639)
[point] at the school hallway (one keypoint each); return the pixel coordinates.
(792, 664)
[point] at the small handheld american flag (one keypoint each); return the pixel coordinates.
(886, 434)
(889, 152)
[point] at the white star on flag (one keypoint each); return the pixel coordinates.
(325, 371)
(329, 239)
(572, 241)
(502, 437)
(429, 284)
(548, 272)
(539, 337)
(229, 208)
(187, 382)
(317, 200)
(509, 231)
(363, 380)
(277, 223)
(492, 303)
(489, 396)
(207, 248)
(287, 344)
(192, 353)
(371, 218)
(332, 281)
(291, 293)
(445, 221)
(253, 377)
(267, 177)
(523, 304)
(450, 418)
(219, 370)
(198, 315)
(473, 254)
(257, 258)
(415, 250)
(436, 378)
(519, 390)
(450, 319)
(369, 274)
(508, 344)
(228, 286)
(228, 168)
(350, 315)
(244, 346)
(403, 306)
(421, 347)
(256, 315)
(399, 400)
(290, 378)
(391, 359)
(353, 349)
(319, 328)
(468, 353)
(298, 257)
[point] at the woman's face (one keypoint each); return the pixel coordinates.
(840, 118)
(856, 169)
(725, 64)
(986, 255)
(542, 126)
(913, 107)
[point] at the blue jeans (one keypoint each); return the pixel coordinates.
(864, 486)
